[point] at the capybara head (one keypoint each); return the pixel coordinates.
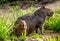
(44, 12)
(47, 11)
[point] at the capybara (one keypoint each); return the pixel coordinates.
(31, 22)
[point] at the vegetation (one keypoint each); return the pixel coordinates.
(53, 22)
(34, 35)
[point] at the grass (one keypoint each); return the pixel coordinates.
(3, 29)
(54, 22)
(7, 22)
(34, 35)
(58, 10)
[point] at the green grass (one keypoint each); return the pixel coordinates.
(34, 35)
(58, 10)
(3, 29)
(54, 22)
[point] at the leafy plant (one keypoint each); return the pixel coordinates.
(54, 23)
(3, 29)
(34, 35)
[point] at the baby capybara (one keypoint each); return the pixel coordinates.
(31, 22)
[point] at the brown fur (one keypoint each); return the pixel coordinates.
(21, 28)
(32, 21)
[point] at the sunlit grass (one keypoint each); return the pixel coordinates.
(54, 22)
(34, 35)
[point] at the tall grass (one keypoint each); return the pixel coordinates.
(54, 22)
(3, 29)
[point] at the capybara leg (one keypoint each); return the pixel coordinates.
(41, 29)
(36, 30)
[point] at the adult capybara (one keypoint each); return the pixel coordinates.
(31, 22)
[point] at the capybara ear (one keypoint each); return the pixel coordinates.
(43, 7)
